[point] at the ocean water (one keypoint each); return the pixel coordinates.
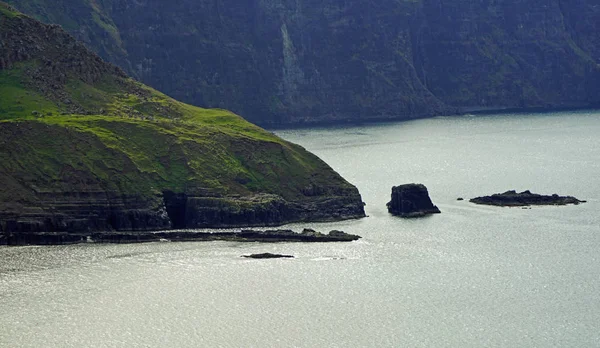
(473, 276)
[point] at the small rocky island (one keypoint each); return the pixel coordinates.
(268, 236)
(411, 200)
(513, 199)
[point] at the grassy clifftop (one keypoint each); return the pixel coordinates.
(76, 132)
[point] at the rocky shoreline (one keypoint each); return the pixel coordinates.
(268, 236)
(513, 199)
(83, 212)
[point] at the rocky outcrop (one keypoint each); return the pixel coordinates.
(268, 236)
(293, 62)
(411, 200)
(513, 199)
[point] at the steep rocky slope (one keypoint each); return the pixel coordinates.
(280, 61)
(85, 148)
(517, 53)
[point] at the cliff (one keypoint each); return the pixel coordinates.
(86, 148)
(304, 61)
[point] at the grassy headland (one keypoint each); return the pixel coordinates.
(73, 125)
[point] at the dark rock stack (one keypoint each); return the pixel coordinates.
(411, 200)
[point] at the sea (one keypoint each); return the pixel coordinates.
(472, 276)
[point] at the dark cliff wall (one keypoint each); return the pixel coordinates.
(279, 61)
(516, 53)
(582, 19)
(283, 61)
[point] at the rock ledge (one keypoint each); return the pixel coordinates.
(268, 236)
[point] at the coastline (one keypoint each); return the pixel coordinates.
(464, 111)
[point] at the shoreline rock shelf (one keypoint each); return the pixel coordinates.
(513, 199)
(411, 200)
(268, 236)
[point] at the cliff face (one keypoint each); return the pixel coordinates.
(85, 148)
(515, 53)
(283, 61)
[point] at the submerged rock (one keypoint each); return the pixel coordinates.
(411, 200)
(267, 256)
(513, 199)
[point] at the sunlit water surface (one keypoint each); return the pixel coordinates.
(473, 276)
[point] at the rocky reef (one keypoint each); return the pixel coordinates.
(84, 148)
(513, 199)
(268, 236)
(411, 200)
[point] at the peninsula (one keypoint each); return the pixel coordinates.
(85, 148)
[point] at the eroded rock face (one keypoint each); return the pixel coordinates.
(102, 211)
(411, 200)
(189, 211)
(513, 199)
(85, 212)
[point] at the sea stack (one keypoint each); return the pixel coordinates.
(411, 200)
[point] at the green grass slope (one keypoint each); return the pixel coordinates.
(77, 132)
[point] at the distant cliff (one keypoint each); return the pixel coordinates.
(283, 61)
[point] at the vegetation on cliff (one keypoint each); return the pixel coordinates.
(308, 61)
(86, 147)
